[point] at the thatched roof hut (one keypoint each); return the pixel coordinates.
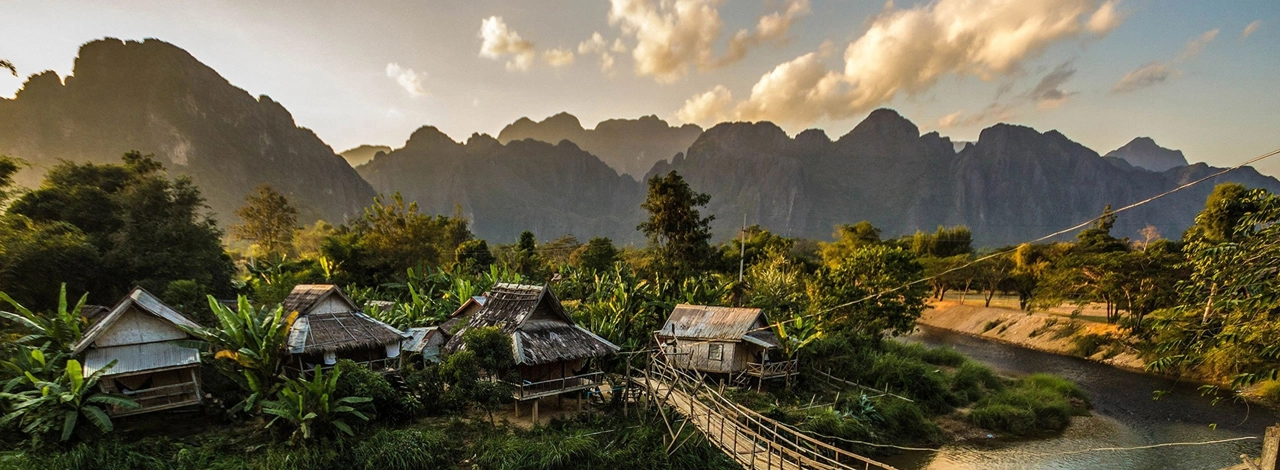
(329, 322)
(541, 331)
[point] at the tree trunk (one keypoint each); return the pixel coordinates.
(966, 291)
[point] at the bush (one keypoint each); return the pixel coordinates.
(393, 449)
(912, 377)
(1088, 345)
(1037, 404)
(991, 324)
(972, 381)
(388, 405)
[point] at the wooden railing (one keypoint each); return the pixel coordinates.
(386, 364)
(742, 433)
(160, 398)
(531, 390)
(770, 370)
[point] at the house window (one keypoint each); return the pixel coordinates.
(715, 352)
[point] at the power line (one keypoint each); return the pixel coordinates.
(1037, 240)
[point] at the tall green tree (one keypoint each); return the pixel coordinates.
(597, 255)
(1223, 209)
(870, 291)
(680, 236)
(473, 256)
(145, 228)
(268, 220)
(392, 237)
(847, 239)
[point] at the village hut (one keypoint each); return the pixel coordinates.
(424, 342)
(724, 340)
(550, 350)
(143, 336)
(330, 327)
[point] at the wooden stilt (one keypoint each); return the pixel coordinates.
(535, 412)
(517, 408)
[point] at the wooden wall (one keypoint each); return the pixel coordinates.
(135, 327)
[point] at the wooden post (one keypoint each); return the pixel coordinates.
(535, 411)
(626, 397)
(517, 408)
(1270, 449)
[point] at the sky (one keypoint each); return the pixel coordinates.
(1199, 76)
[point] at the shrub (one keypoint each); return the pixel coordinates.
(1088, 345)
(972, 381)
(912, 377)
(1037, 404)
(991, 324)
(388, 404)
(394, 449)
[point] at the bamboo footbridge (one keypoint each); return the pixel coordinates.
(754, 441)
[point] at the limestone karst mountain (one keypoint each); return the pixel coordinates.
(156, 98)
(1143, 152)
(362, 154)
(630, 146)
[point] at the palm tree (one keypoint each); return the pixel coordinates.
(57, 406)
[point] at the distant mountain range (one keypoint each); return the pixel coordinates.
(630, 146)
(555, 177)
(156, 98)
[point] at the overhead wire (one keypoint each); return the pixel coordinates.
(1015, 247)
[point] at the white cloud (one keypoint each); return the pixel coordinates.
(909, 50)
(408, 79)
(592, 46)
(993, 112)
(1154, 73)
(674, 35)
(1250, 29)
(707, 108)
(499, 42)
(558, 57)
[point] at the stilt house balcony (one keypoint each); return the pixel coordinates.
(774, 369)
(161, 398)
(533, 390)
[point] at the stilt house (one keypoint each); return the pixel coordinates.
(723, 340)
(550, 350)
(142, 334)
(330, 327)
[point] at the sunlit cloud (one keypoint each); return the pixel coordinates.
(408, 79)
(1250, 29)
(1155, 73)
(499, 42)
(558, 57)
(673, 36)
(906, 51)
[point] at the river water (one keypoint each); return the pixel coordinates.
(1124, 415)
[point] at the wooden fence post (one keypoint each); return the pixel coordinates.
(1270, 449)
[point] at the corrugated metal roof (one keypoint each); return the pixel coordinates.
(145, 302)
(418, 339)
(711, 322)
(140, 358)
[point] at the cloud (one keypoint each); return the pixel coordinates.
(909, 50)
(1147, 75)
(1048, 93)
(993, 112)
(597, 45)
(1157, 72)
(707, 108)
(674, 35)
(558, 57)
(499, 42)
(1250, 29)
(408, 79)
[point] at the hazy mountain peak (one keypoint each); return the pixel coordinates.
(1143, 152)
(629, 146)
(887, 123)
(428, 136)
(362, 154)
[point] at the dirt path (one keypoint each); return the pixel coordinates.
(1049, 332)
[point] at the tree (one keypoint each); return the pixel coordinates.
(479, 373)
(269, 220)
(144, 229)
(473, 256)
(847, 239)
(253, 342)
(1224, 327)
(8, 167)
(869, 292)
(390, 238)
(676, 230)
(1223, 209)
(1098, 239)
(597, 255)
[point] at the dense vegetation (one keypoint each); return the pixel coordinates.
(833, 304)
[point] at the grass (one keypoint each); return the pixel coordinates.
(1035, 405)
(1088, 345)
(989, 325)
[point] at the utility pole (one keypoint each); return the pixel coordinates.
(742, 245)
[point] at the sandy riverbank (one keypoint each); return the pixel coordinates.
(1048, 332)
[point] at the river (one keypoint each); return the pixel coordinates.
(1124, 415)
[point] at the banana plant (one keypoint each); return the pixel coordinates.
(57, 406)
(797, 333)
(254, 341)
(59, 331)
(312, 406)
(30, 362)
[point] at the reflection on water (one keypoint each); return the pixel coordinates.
(1124, 415)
